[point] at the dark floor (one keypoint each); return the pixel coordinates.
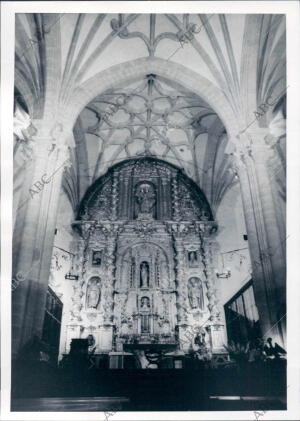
(240, 388)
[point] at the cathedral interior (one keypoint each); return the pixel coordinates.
(149, 211)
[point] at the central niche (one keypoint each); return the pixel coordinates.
(144, 266)
(145, 200)
(144, 275)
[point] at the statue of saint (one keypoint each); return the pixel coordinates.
(193, 257)
(145, 197)
(200, 338)
(195, 293)
(97, 257)
(145, 303)
(144, 275)
(93, 293)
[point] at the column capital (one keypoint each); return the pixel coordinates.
(258, 144)
(50, 136)
(263, 146)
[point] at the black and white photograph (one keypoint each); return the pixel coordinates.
(149, 222)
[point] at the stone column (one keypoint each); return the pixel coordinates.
(125, 195)
(110, 274)
(160, 206)
(276, 165)
(165, 198)
(34, 233)
(266, 245)
(215, 323)
(175, 199)
(208, 263)
(181, 286)
(107, 328)
(114, 195)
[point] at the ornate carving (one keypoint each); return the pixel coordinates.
(76, 302)
(145, 198)
(154, 272)
(105, 204)
(180, 281)
(114, 196)
(145, 304)
(110, 273)
(208, 264)
(176, 211)
(187, 207)
(145, 170)
(93, 294)
(144, 275)
(132, 272)
(195, 293)
(146, 186)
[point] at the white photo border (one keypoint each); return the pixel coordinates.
(291, 10)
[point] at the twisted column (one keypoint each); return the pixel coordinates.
(175, 201)
(208, 263)
(110, 277)
(125, 195)
(114, 195)
(181, 287)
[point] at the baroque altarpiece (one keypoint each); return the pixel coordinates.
(145, 249)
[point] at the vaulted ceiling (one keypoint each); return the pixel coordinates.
(57, 55)
(151, 117)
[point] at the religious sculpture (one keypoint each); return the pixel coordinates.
(144, 275)
(145, 303)
(195, 293)
(192, 255)
(200, 338)
(143, 258)
(200, 347)
(97, 257)
(146, 199)
(93, 294)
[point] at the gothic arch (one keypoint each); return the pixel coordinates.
(133, 70)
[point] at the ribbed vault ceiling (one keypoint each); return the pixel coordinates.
(151, 117)
(158, 117)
